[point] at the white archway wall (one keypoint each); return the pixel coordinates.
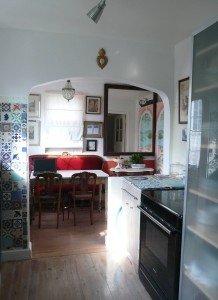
(32, 58)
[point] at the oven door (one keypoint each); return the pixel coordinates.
(159, 256)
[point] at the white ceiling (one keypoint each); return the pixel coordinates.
(169, 21)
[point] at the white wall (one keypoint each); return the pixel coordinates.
(183, 64)
(30, 58)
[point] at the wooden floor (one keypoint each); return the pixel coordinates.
(71, 263)
(68, 239)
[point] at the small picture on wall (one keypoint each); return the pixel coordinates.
(34, 132)
(91, 145)
(184, 135)
(34, 105)
(93, 105)
(93, 129)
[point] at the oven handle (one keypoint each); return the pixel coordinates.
(168, 231)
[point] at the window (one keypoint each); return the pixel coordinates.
(63, 121)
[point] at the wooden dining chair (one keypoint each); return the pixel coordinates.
(48, 191)
(83, 189)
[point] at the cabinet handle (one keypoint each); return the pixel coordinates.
(130, 194)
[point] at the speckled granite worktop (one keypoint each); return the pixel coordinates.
(156, 181)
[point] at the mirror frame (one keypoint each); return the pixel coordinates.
(108, 86)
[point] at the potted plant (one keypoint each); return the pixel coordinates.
(137, 160)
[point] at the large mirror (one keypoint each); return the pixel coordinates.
(129, 120)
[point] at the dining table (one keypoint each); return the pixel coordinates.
(66, 175)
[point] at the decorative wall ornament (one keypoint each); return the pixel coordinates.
(102, 59)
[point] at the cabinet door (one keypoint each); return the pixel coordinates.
(131, 225)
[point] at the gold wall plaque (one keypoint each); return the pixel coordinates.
(102, 59)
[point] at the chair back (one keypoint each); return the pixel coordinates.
(83, 183)
(48, 184)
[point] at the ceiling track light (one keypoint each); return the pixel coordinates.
(68, 92)
(96, 12)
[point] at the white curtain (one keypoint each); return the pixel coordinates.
(63, 121)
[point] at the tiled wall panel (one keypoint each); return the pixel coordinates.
(13, 119)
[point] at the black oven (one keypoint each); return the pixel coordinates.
(160, 242)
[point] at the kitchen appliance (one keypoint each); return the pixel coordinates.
(160, 241)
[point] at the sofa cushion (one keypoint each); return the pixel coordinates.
(79, 163)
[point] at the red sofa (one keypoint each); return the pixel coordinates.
(82, 162)
(77, 162)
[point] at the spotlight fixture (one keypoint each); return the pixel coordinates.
(96, 12)
(68, 92)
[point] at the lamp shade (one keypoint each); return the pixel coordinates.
(96, 12)
(68, 92)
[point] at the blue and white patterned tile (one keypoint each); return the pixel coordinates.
(24, 133)
(6, 205)
(6, 224)
(17, 223)
(16, 137)
(6, 157)
(6, 166)
(16, 205)
(17, 214)
(6, 147)
(16, 107)
(15, 128)
(24, 205)
(16, 195)
(16, 117)
(18, 242)
(6, 186)
(7, 215)
(24, 107)
(6, 127)
(6, 117)
(24, 118)
(6, 196)
(24, 216)
(7, 239)
(6, 137)
(6, 107)
(16, 186)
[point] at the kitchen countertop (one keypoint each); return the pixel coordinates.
(156, 181)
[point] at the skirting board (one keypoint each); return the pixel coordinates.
(20, 254)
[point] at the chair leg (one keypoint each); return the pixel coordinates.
(91, 212)
(58, 213)
(74, 211)
(40, 211)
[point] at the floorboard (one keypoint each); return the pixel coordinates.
(71, 263)
(68, 239)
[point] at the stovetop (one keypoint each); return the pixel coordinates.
(170, 200)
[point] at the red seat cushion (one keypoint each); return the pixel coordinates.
(79, 163)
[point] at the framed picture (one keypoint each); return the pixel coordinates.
(93, 105)
(183, 100)
(93, 129)
(34, 105)
(91, 145)
(34, 132)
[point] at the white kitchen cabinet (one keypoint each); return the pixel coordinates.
(131, 197)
